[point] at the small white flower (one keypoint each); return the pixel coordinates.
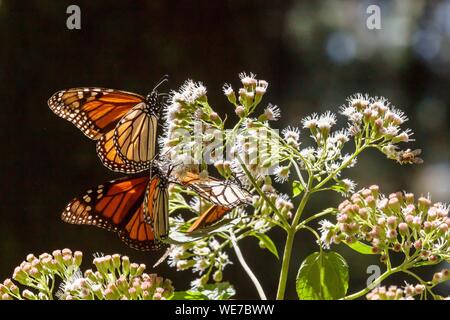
(326, 120)
(196, 283)
(247, 80)
(347, 111)
(214, 244)
(261, 225)
(352, 162)
(310, 122)
(359, 101)
(281, 174)
(325, 227)
(201, 264)
(308, 154)
(291, 133)
(272, 112)
(73, 283)
(261, 87)
(227, 89)
(349, 185)
(182, 265)
(340, 136)
(202, 251)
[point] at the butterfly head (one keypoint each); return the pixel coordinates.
(153, 98)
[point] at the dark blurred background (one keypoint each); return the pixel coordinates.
(313, 54)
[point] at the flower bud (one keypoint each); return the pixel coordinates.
(419, 288)
(58, 256)
(418, 244)
(394, 204)
(443, 228)
(78, 257)
(115, 261)
(30, 257)
(409, 198)
(363, 213)
(392, 234)
(133, 269)
(229, 93)
(424, 204)
(20, 275)
(392, 222)
(402, 137)
(240, 111)
(217, 276)
(140, 270)
(27, 294)
(132, 293)
(403, 228)
(6, 296)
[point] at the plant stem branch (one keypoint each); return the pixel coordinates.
(373, 284)
(285, 264)
(290, 241)
(247, 269)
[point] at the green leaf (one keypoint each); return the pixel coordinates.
(322, 276)
(178, 237)
(297, 188)
(360, 247)
(188, 295)
(268, 243)
(218, 291)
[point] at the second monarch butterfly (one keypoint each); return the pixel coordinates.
(123, 123)
(223, 193)
(121, 206)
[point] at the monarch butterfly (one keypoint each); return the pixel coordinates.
(224, 195)
(123, 123)
(219, 192)
(121, 206)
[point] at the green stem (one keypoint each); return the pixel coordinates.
(290, 241)
(247, 269)
(373, 284)
(285, 264)
(313, 217)
(343, 166)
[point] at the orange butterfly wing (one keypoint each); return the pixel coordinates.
(210, 216)
(116, 206)
(111, 159)
(135, 135)
(94, 111)
(156, 206)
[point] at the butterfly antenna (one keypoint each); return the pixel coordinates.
(163, 79)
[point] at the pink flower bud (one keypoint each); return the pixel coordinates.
(443, 227)
(418, 244)
(394, 204)
(427, 226)
(363, 213)
(403, 228)
(392, 221)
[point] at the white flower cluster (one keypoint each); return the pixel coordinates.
(205, 257)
